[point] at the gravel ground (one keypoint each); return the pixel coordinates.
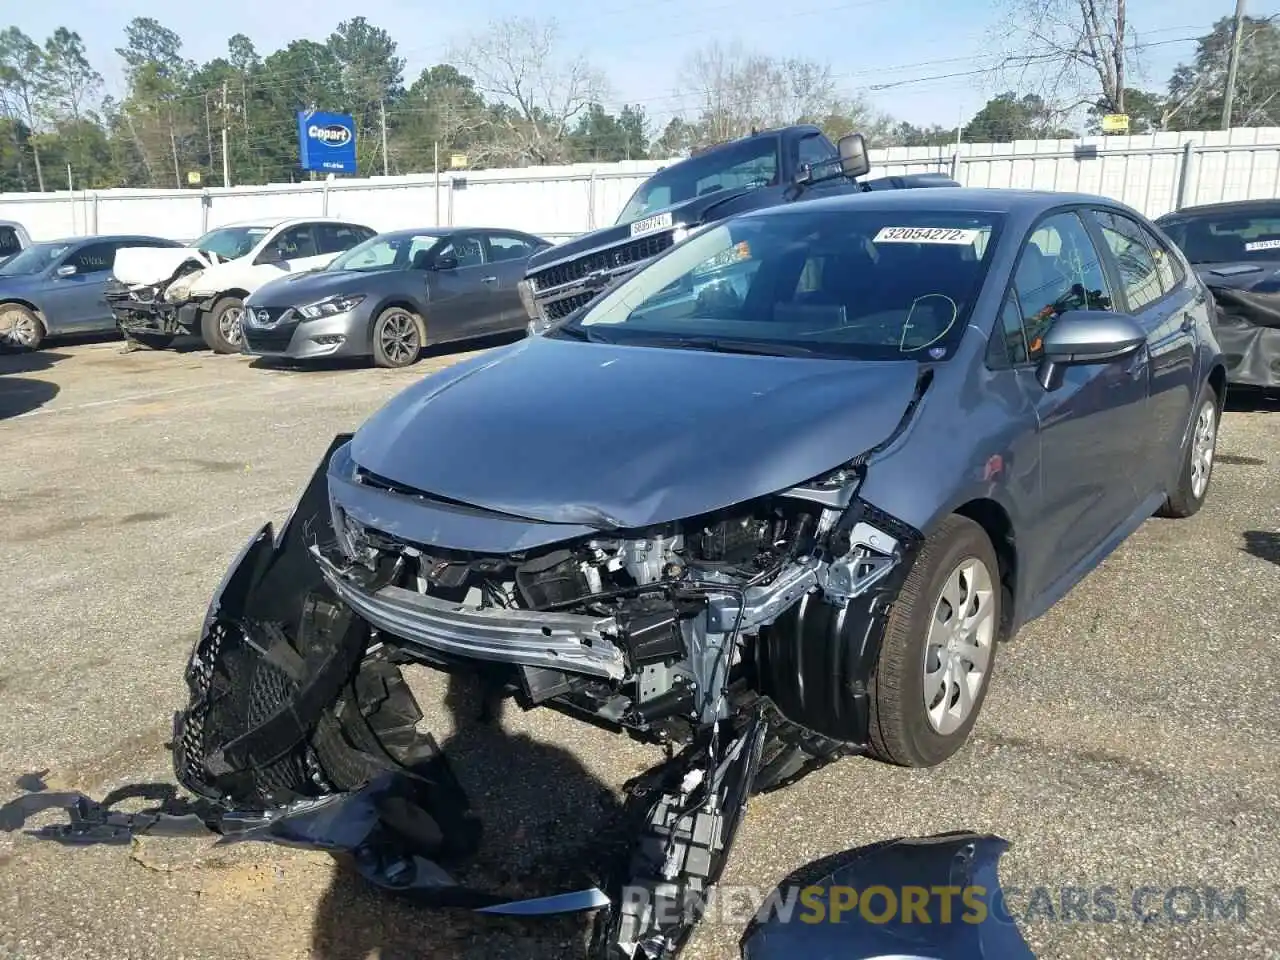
(1129, 739)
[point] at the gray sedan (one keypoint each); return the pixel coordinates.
(393, 294)
(55, 287)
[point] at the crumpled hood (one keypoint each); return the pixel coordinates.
(1249, 289)
(626, 437)
(150, 265)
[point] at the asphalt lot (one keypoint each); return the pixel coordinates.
(1129, 740)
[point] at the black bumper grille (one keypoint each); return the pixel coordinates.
(277, 339)
(558, 309)
(611, 258)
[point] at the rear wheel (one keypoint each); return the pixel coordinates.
(938, 649)
(1191, 486)
(221, 325)
(398, 336)
(20, 328)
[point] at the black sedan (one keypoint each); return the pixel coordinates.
(1235, 248)
(393, 294)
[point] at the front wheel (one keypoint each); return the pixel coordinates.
(938, 649)
(1191, 486)
(19, 327)
(398, 336)
(220, 325)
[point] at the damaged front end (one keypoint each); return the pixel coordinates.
(160, 306)
(742, 640)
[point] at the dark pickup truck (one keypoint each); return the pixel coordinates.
(762, 170)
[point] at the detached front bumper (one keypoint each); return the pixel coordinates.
(153, 315)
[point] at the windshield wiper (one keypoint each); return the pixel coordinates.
(716, 345)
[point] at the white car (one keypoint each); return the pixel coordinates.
(201, 288)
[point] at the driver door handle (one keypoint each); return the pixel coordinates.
(488, 279)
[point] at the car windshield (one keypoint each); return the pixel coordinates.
(395, 251)
(864, 284)
(1226, 237)
(231, 243)
(35, 258)
(751, 163)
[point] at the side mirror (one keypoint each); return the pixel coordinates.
(66, 270)
(445, 263)
(1087, 336)
(853, 155)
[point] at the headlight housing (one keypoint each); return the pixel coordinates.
(180, 289)
(527, 299)
(331, 306)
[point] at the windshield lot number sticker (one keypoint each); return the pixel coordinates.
(1262, 245)
(650, 224)
(927, 235)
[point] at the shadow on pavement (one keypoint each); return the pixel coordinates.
(1263, 545)
(19, 395)
(549, 827)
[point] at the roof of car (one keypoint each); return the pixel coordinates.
(960, 199)
(272, 222)
(1230, 207)
(107, 237)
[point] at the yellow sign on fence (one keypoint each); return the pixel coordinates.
(1115, 123)
(457, 161)
(193, 178)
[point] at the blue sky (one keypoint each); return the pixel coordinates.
(640, 44)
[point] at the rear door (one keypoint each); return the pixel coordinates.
(1089, 425)
(1157, 296)
(508, 255)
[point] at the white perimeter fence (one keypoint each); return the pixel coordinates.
(1154, 173)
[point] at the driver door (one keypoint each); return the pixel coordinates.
(462, 301)
(1091, 427)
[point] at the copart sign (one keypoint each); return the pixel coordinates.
(326, 142)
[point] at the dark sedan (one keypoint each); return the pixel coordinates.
(1235, 247)
(393, 294)
(57, 287)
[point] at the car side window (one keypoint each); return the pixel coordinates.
(296, 243)
(1135, 261)
(338, 237)
(1059, 271)
(93, 258)
(812, 149)
(9, 242)
(507, 247)
(467, 248)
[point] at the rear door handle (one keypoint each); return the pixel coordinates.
(488, 279)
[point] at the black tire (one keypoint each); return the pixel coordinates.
(213, 326)
(1183, 500)
(20, 328)
(901, 731)
(398, 337)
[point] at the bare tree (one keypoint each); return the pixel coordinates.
(1069, 52)
(540, 90)
(737, 90)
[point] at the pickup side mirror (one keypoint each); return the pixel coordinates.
(1087, 336)
(66, 270)
(853, 155)
(445, 263)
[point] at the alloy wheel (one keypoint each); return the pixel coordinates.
(1203, 441)
(229, 325)
(957, 651)
(19, 329)
(399, 338)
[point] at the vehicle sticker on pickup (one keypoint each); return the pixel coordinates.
(1262, 245)
(659, 222)
(953, 235)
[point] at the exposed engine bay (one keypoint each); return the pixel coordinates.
(641, 631)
